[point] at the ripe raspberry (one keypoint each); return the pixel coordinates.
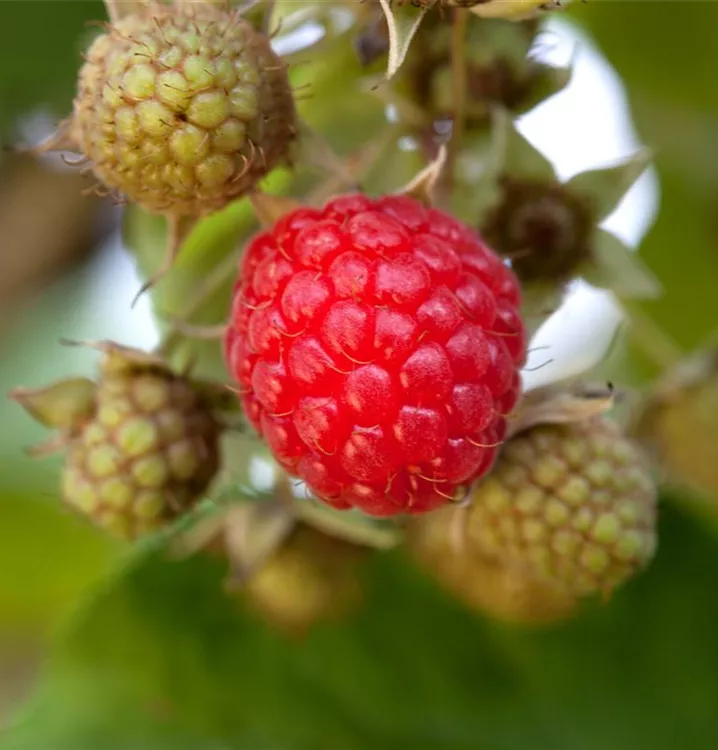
(377, 344)
(142, 443)
(182, 107)
(574, 504)
(311, 578)
(489, 586)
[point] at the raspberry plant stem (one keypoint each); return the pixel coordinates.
(458, 92)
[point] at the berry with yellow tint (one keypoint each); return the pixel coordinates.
(142, 443)
(182, 107)
(575, 504)
(489, 586)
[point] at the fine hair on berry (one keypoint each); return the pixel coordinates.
(182, 107)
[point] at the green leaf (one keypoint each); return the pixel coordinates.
(618, 268)
(516, 156)
(603, 189)
(40, 55)
(549, 81)
(161, 659)
(675, 110)
(56, 557)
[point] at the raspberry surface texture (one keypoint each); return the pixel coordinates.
(182, 107)
(377, 345)
(573, 504)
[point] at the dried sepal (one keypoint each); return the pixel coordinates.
(118, 358)
(61, 405)
(516, 10)
(560, 404)
(402, 24)
(61, 140)
(54, 444)
(179, 229)
(270, 208)
(422, 186)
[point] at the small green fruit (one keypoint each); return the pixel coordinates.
(573, 504)
(486, 585)
(182, 108)
(142, 444)
(310, 578)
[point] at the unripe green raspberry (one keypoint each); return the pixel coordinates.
(574, 504)
(142, 443)
(182, 107)
(489, 586)
(677, 424)
(311, 578)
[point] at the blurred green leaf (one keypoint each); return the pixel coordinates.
(618, 268)
(163, 660)
(515, 156)
(667, 55)
(40, 54)
(603, 189)
(59, 556)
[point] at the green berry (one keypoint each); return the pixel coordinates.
(182, 108)
(678, 424)
(487, 585)
(142, 443)
(311, 578)
(573, 504)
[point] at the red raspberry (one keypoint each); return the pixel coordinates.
(377, 345)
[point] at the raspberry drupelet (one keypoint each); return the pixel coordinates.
(377, 346)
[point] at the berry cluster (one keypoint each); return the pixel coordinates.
(376, 343)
